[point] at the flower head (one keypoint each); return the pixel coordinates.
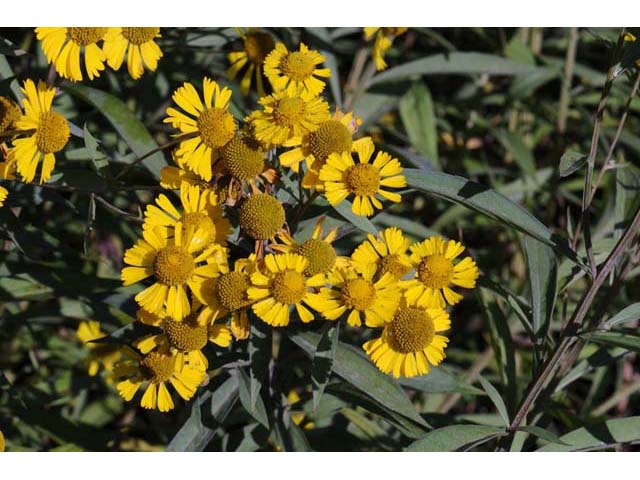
(342, 177)
(261, 216)
(382, 44)
(257, 45)
(137, 44)
(10, 113)
(99, 354)
(50, 133)
(63, 47)
(411, 341)
(434, 260)
(388, 254)
(209, 124)
(296, 72)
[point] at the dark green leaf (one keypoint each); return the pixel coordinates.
(496, 399)
(323, 361)
(255, 407)
(193, 436)
(630, 341)
(598, 436)
(542, 433)
(259, 357)
(627, 314)
(363, 223)
(439, 381)
(571, 162)
(453, 438)
(418, 117)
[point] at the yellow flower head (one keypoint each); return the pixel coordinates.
(387, 253)
(140, 44)
(320, 254)
(261, 216)
(4, 193)
(244, 158)
(10, 113)
(50, 133)
(63, 47)
(436, 271)
(210, 125)
(199, 211)
(281, 284)
(411, 341)
(361, 296)
(342, 177)
(152, 372)
(257, 45)
(296, 72)
(286, 116)
(99, 354)
(384, 39)
(177, 265)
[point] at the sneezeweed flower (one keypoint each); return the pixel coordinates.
(257, 45)
(384, 39)
(209, 124)
(411, 341)
(177, 265)
(320, 254)
(137, 44)
(388, 253)
(199, 211)
(436, 271)
(284, 117)
(99, 353)
(364, 298)
(296, 71)
(152, 372)
(342, 177)
(49, 133)
(10, 113)
(261, 216)
(7, 172)
(281, 284)
(4, 193)
(63, 46)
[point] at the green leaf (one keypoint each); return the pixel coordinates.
(125, 123)
(259, 358)
(439, 381)
(460, 63)
(98, 159)
(571, 161)
(419, 120)
(496, 399)
(453, 438)
(355, 368)
(542, 433)
(598, 436)
(193, 436)
(10, 49)
(513, 144)
(627, 314)
(223, 398)
(363, 223)
(255, 407)
(630, 341)
(323, 361)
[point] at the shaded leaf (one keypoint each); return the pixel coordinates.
(598, 435)
(571, 161)
(323, 361)
(630, 341)
(439, 381)
(453, 438)
(496, 399)
(627, 314)
(542, 433)
(255, 407)
(418, 117)
(363, 223)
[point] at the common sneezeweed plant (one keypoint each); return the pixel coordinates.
(285, 223)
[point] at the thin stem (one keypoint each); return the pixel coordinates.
(565, 93)
(115, 209)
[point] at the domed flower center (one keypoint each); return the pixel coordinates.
(140, 35)
(298, 65)
(217, 127)
(258, 45)
(261, 216)
(9, 114)
(86, 35)
(52, 133)
(288, 287)
(363, 179)
(243, 158)
(435, 271)
(391, 264)
(411, 330)
(195, 220)
(289, 111)
(320, 255)
(159, 367)
(186, 336)
(174, 265)
(359, 294)
(331, 137)
(231, 290)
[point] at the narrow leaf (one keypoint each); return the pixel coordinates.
(418, 117)
(496, 399)
(627, 314)
(255, 407)
(453, 438)
(571, 161)
(323, 361)
(598, 436)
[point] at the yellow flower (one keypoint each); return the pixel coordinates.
(10, 113)
(296, 72)
(342, 177)
(210, 125)
(4, 193)
(50, 133)
(360, 295)
(99, 353)
(382, 44)
(286, 116)
(152, 372)
(1, 442)
(410, 342)
(139, 41)
(332, 136)
(433, 260)
(388, 253)
(244, 160)
(228, 293)
(175, 266)
(199, 211)
(282, 284)
(7, 170)
(261, 216)
(63, 47)
(320, 254)
(257, 45)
